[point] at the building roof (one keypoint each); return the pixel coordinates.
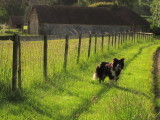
(87, 15)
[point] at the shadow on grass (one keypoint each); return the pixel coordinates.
(33, 107)
(131, 91)
(138, 53)
(87, 103)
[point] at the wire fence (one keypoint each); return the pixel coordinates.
(24, 60)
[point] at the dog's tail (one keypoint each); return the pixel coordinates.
(95, 76)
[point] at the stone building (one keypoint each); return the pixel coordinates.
(47, 19)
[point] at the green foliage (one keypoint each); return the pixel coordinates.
(129, 3)
(63, 2)
(155, 29)
(142, 9)
(9, 8)
(10, 32)
(155, 9)
(13, 31)
(102, 4)
(14, 7)
(3, 15)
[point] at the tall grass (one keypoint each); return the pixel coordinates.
(73, 94)
(5, 66)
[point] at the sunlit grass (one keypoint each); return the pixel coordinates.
(73, 94)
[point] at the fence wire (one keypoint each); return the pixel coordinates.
(6, 48)
(31, 62)
(56, 50)
(32, 54)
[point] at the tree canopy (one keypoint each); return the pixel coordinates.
(9, 8)
(155, 9)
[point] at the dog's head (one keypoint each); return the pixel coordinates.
(118, 64)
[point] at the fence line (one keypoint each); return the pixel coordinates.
(114, 40)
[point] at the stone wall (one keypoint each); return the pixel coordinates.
(52, 29)
(33, 25)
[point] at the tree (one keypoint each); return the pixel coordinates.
(14, 7)
(9, 8)
(129, 3)
(63, 2)
(3, 15)
(155, 9)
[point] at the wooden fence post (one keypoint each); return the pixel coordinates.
(15, 62)
(89, 45)
(95, 46)
(79, 48)
(66, 52)
(19, 67)
(45, 49)
(123, 37)
(108, 41)
(129, 36)
(126, 36)
(119, 38)
(102, 41)
(134, 36)
(143, 37)
(112, 39)
(137, 37)
(115, 41)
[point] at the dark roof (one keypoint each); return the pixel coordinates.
(16, 20)
(130, 16)
(87, 15)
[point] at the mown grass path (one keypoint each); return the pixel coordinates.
(106, 87)
(74, 95)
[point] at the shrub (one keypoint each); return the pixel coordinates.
(155, 29)
(102, 4)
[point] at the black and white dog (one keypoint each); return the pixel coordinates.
(112, 70)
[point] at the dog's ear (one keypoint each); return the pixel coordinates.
(115, 59)
(122, 59)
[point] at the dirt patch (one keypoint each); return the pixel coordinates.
(156, 74)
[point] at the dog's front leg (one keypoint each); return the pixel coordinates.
(111, 81)
(116, 79)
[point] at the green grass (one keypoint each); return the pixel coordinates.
(74, 95)
(10, 32)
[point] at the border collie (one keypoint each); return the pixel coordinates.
(112, 70)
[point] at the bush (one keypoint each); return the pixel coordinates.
(102, 4)
(155, 30)
(12, 31)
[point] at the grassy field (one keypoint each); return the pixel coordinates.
(74, 95)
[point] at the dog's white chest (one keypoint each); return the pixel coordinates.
(113, 73)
